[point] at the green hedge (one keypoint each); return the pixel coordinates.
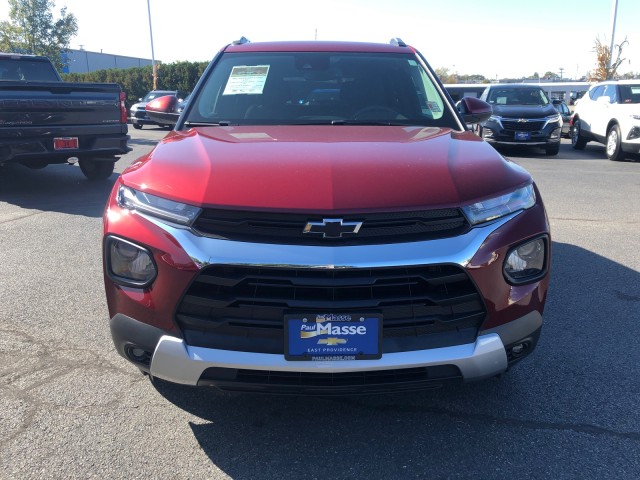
(137, 82)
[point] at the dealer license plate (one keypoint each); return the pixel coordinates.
(65, 143)
(523, 136)
(328, 337)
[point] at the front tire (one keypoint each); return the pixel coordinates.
(552, 149)
(137, 126)
(96, 169)
(578, 141)
(614, 144)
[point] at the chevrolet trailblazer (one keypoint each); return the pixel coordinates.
(321, 221)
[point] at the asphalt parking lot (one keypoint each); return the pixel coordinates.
(70, 407)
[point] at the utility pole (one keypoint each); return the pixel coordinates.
(614, 14)
(561, 70)
(153, 58)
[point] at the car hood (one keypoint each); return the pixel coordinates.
(139, 105)
(324, 168)
(524, 111)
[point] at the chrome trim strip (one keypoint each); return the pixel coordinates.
(177, 362)
(208, 251)
(526, 143)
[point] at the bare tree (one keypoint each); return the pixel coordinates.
(605, 68)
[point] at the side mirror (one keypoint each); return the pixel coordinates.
(140, 99)
(474, 110)
(162, 110)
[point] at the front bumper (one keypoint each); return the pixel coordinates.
(141, 118)
(145, 319)
(498, 134)
(177, 362)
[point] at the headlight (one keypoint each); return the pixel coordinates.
(554, 118)
(134, 108)
(157, 206)
(527, 262)
(129, 264)
(497, 207)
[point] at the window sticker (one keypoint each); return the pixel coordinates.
(246, 79)
(434, 107)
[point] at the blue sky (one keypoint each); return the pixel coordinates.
(504, 38)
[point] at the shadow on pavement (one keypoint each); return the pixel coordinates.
(56, 188)
(584, 361)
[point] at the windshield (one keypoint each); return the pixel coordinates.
(517, 96)
(293, 88)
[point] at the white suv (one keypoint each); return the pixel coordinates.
(610, 114)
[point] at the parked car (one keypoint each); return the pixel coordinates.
(138, 112)
(181, 104)
(522, 115)
(565, 113)
(609, 114)
(285, 237)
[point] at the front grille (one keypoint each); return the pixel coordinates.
(288, 228)
(243, 308)
(378, 381)
(528, 126)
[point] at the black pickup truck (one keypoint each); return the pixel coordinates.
(44, 120)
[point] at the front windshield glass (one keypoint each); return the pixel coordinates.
(517, 96)
(293, 88)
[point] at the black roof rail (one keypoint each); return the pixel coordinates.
(397, 41)
(241, 41)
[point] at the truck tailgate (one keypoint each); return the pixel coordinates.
(30, 104)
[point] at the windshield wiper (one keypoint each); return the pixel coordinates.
(221, 123)
(384, 123)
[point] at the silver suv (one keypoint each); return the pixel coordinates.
(610, 114)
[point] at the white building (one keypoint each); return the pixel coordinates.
(83, 61)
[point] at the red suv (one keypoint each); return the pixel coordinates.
(321, 221)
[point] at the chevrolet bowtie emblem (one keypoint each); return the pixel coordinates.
(332, 228)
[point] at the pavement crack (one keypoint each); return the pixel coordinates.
(43, 364)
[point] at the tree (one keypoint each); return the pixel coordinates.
(33, 30)
(606, 69)
(445, 76)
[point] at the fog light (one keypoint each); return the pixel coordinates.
(527, 262)
(555, 133)
(129, 264)
(634, 133)
(138, 355)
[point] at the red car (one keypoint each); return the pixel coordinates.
(321, 221)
